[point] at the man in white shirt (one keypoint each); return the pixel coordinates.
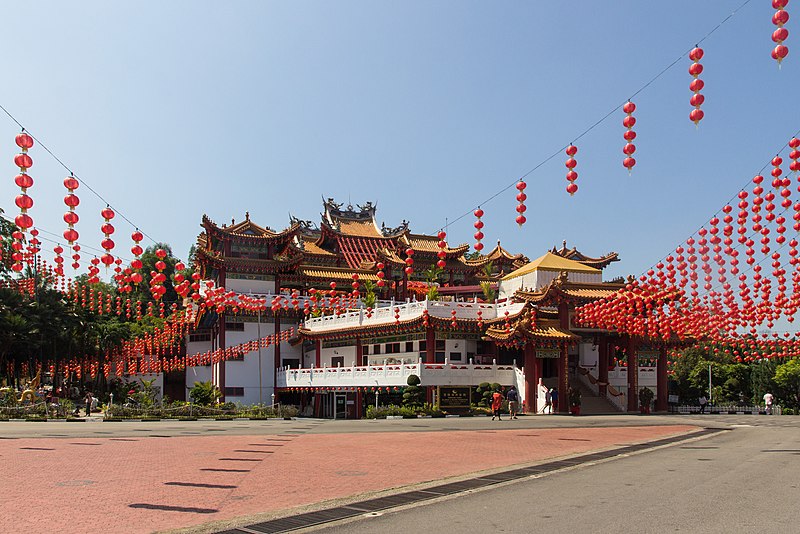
(768, 398)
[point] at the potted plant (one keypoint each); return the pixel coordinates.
(645, 398)
(574, 396)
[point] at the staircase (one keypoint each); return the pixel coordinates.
(592, 404)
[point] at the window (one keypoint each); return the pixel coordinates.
(376, 349)
(234, 392)
(199, 337)
(423, 346)
(440, 344)
(409, 346)
(294, 363)
(395, 348)
(455, 356)
(337, 361)
(440, 356)
(234, 327)
(365, 350)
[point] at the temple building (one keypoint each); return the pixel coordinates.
(494, 317)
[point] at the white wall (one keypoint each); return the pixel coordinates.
(250, 286)
(588, 354)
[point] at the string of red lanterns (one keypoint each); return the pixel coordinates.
(571, 163)
(780, 18)
(695, 69)
(628, 122)
(478, 229)
(521, 198)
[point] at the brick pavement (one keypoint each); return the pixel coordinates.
(147, 484)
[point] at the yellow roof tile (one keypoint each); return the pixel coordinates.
(552, 262)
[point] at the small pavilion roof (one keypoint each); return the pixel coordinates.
(575, 255)
(552, 262)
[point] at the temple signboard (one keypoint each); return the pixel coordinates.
(454, 399)
(548, 353)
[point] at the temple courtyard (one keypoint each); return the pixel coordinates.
(688, 473)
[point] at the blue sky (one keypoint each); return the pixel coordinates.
(175, 109)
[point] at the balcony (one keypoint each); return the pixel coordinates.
(430, 374)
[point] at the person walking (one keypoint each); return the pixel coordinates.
(768, 400)
(513, 402)
(548, 401)
(554, 398)
(703, 403)
(497, 403)
(88, 399)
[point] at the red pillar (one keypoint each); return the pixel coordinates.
(531, 377)
(563, 362)
(633, 376)
(430, 345)
(661, 381)
(318, 355)
(277, 344)
(602, 365)
(359, 353)
(563, 380)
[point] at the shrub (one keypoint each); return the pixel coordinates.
(204, 393)
(381, 412)
(412, 397)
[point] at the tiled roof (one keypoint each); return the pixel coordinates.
(358, 228)
(310, 245)
(552, 262)
(430, 243)
(333, 274)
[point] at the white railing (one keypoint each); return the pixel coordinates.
(430, 374)
(619, 401)
(391, 312)
(618, 377)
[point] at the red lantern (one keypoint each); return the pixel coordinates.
(521, 197)
(780, 18)
(442, 244)
(380, 274)
(409, 261)
(479, 227)
(695, 69)
(23, 201)
(108, 229)
(628, 122)
(571, 163)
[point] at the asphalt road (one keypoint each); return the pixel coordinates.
(744, 480)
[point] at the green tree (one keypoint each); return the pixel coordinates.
(787, 378)
(762, 381)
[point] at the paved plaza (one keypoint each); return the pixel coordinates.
(208, 475)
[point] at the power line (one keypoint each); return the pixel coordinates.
(604, 117)
(72, 173)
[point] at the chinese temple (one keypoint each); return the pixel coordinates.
(495, 317)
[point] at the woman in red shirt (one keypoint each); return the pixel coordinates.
(497, 402)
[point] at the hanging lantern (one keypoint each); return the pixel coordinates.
(572, 187)
(628, 122)
(380, 274)
(23, 201)
(108, 229)
(409, 261)
(479, 228)
(521, 197)
(59, 260)
(780, 18)
(695, 69)
(794, 155)
(137, 251)
(442, 244)
(76, 257)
